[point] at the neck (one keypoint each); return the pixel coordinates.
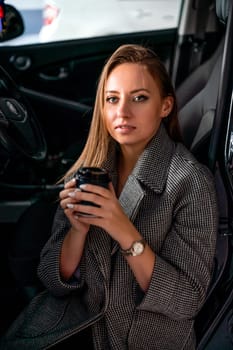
(128, 158)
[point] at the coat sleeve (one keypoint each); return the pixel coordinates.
(48, 269)
(184, 265)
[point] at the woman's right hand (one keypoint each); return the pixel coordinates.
(67, 201)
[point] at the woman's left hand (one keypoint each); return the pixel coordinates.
(109, 215)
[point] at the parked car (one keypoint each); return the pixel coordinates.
(31, 12)
(47, 92)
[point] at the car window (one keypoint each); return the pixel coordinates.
(55, 20)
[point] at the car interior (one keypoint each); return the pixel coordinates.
(54, 85)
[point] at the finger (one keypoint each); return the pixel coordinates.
(67, 203)
(99, 190)
(72, 217)
(69, 192)
(70, 183)
(111, 188)
(90, 197)
(82, 209)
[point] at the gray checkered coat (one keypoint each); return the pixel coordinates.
(171, 200)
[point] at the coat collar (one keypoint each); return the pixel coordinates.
(152, 166)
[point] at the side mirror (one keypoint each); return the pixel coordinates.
(11, 23)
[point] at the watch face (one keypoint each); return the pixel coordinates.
(138, 248)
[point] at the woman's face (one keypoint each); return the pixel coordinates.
(133, 107)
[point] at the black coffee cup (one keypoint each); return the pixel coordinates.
(94, 176)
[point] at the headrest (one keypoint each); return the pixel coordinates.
(222, 9)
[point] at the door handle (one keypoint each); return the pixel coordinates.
(62, 73)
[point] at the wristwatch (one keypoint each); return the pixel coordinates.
(137, 248)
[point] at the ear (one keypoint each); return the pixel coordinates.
(167, 106)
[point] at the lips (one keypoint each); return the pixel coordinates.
(125, 127)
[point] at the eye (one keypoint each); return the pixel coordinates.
(140, 98)
(111, 99)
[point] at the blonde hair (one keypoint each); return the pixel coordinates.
(99, 140)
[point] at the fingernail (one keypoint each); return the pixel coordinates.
(83, 186)
(71, 194)
(70, 205)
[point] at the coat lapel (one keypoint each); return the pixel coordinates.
(131, 197)
(130, 200)
(150, 172)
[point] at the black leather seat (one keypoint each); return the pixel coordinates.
(197, 95)
(197, 101)
(197, 98)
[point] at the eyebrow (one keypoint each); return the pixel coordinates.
(132, 92)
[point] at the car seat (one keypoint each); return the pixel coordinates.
(198, 103)
(197, 98)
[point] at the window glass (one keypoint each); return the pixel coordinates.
(53, 20)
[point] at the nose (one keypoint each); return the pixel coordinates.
(123, 108)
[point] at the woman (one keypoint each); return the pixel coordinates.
(137, 268)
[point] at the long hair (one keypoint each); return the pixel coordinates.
(99, 140)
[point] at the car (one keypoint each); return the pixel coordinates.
(31, 12)
(47, 91)
(75, 19)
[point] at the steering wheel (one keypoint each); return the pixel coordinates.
(20, 131)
